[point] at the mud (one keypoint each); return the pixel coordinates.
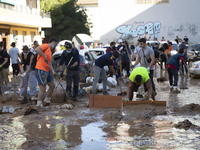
(142, 126)
(186, 124)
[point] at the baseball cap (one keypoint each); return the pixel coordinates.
(120, 40)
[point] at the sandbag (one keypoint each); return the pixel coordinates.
(100, 88)
(89, 79)
(111, 82)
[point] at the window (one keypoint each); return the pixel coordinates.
(32, 36)
(24, 36)
(15, 35)
(151, 1)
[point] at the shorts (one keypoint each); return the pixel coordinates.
(43, 77)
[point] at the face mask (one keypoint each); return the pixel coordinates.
(25, 54)
(180, 42)
(52, 47)
(68, 51)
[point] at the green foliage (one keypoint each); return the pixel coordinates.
(68, 19)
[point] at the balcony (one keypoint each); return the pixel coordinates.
(23, 16)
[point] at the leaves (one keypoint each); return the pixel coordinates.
(68, 19)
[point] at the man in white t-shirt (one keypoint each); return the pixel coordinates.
(14, 54)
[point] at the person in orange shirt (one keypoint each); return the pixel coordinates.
(168, 51)
(43, 70)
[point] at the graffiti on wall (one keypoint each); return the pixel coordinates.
(148, 28)
(186, 28)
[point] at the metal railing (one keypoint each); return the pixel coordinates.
(25, 10)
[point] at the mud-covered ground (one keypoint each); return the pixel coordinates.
(176, 126)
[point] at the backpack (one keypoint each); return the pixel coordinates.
(8, 63)
(34, 61)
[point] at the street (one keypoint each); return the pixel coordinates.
(141, 126)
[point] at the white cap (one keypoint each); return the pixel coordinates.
(120, 40)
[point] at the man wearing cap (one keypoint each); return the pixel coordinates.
(73, 69)
(105, 60)
(120, 44)
(14, 54)
(139, 75)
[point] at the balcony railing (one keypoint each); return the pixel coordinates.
(25, 10)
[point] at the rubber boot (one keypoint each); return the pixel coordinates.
(75, 93)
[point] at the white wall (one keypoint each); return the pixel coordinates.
(21, 2)
(179, 17)
(93, 16)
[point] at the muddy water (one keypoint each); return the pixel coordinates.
(132, 127)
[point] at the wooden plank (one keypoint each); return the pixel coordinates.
(162, 103)
(98, 101)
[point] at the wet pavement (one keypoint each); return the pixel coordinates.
(131, 127)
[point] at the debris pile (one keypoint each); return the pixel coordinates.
(58, 96)
(186, 124)
(188, 108)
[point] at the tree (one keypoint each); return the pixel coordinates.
(68, 19)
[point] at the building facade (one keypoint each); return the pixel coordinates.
(131, 19)
(21, 22)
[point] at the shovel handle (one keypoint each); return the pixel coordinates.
(67, 65)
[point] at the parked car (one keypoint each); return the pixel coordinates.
(98, 51)
(193, 58)
(194, 70)
(86, 63)
(60, 45)
(174, 46)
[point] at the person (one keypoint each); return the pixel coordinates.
(186, 40)
(135, 55)
(105, 60)
(173, 65)
(125, 58)
(91, 45)
(35, 45)
(168, 51)
(156, 53)
(111, 48)
(28, 75)
(137, 49)
(163, 55)
(163, 39)
(132, 47)
(82, 47)
(148, 45)
(146, 58)
(155, 39)
(4, 66)
(139, 75)
(72, 70)
(184, 64)
(43, 70)
(176, 39)
(14, 54)
(99, 45)
(120, 44)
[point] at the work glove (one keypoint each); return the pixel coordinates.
(1, 66)
(148, 68)
(70, 67)
(151, 100)
(126, 99)
(23, 74)
(61, 74)
(117, 76)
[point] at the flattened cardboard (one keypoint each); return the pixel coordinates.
(161, 103)
(105, 101)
